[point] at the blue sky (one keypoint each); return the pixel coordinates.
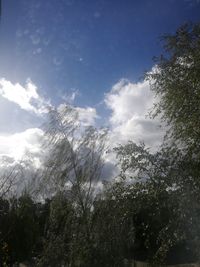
(88, 45)
(92, 53)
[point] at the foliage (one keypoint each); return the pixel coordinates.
(177, 84)
(167, 202)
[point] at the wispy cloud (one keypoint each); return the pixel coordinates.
(70, 97)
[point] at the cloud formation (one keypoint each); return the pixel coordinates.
(130, 104)
(16, 146)
(27, 97)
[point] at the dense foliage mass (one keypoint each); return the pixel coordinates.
(151, 212)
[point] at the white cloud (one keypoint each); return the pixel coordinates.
(130, 104)
(26, 97)
(15, 146)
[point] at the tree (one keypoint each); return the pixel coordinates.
(4, 231)
(57, 248)
(72, 166)
(73, 158)
(9, 180)
(24, 233)
(176, 81)
(113, 230)
(166, 206)
(170, 178)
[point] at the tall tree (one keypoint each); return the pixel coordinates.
(176, 81)
(174, 171)
(72, 166)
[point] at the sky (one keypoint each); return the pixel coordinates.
(91, 54)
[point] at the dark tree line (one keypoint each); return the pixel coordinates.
(151, 212)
